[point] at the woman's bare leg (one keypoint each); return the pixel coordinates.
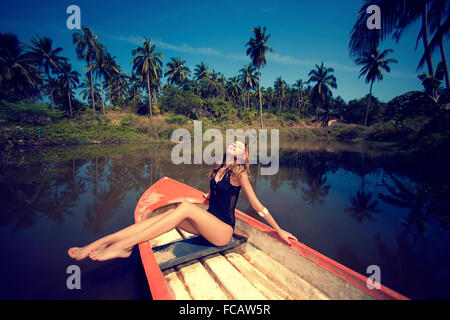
(209, 226)
(102, 243)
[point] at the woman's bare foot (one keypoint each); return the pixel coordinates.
(79, 253)
(82, 253)
(116, 250)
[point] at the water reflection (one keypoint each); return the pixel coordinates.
(33, 192)
(317, 191)
(362, 205)
(356, 205)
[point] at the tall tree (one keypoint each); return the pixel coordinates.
(280, 87)
(257, 48)
(298, 85)
(135, 85)
(46, 57)
(372, 64)
(248, 80)
(177, 71)
(86, 47)
(147, 63)
(89, 93)
(111, 71)
(432, 82)
(70, 80)
(439, 17)
(19, 78)
(119, 86)
(100, 67)
(396, 17)
(212, 85)
(233, 88)
(324, 79)
(200, 71)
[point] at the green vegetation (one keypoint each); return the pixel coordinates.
(137, 107)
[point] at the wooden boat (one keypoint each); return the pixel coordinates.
(256, 264)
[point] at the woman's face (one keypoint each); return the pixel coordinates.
(237, 150)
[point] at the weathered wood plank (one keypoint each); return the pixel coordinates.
(230, 279)
(296, 286)
(199, 282)
(182, 251)
(256, 277)
(177, 286)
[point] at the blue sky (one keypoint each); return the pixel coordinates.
(303, 33)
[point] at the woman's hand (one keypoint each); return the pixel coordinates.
(285, 235)
(206, 196)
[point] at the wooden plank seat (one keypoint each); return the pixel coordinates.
(178, 252)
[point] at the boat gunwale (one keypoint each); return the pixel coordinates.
(158, 284)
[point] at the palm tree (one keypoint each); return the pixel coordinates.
(89, 93)
(438, 11)
(372, 63)
(396, 17)
(19, 78)
(70, 80)
(324, 79)
(111, 71)
(269, 95)
(118, 85)
(416, 10)
(257, 51)
(86, 47)
(135, 84)
(147, 63)
(212, 85)
(299, 86)
(105, 67)
(100, 68)
(155, 85)
(431, 83)
(248, 80)
(46, 57)
(200, 71)
(280, 87)
(177, 71)
(233, 88)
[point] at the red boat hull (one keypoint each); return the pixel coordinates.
(168, 191)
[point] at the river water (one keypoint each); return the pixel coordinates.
(358, 205)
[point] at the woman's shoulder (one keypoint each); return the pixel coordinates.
(238, 178)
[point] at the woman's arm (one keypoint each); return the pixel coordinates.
(258, 207)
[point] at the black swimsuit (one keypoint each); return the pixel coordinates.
(222, 199)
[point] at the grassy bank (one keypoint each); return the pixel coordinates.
(123, 127)
(128, 127)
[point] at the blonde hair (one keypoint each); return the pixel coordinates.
(236, 169)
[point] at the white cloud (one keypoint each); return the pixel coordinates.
(273, 57)
(237, 57)
(184, 48)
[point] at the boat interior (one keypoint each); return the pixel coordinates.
(253, 266)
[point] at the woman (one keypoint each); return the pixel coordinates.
(216, 224)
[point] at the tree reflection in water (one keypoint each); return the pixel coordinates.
(94, 185)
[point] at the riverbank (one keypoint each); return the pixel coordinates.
(125, 127)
